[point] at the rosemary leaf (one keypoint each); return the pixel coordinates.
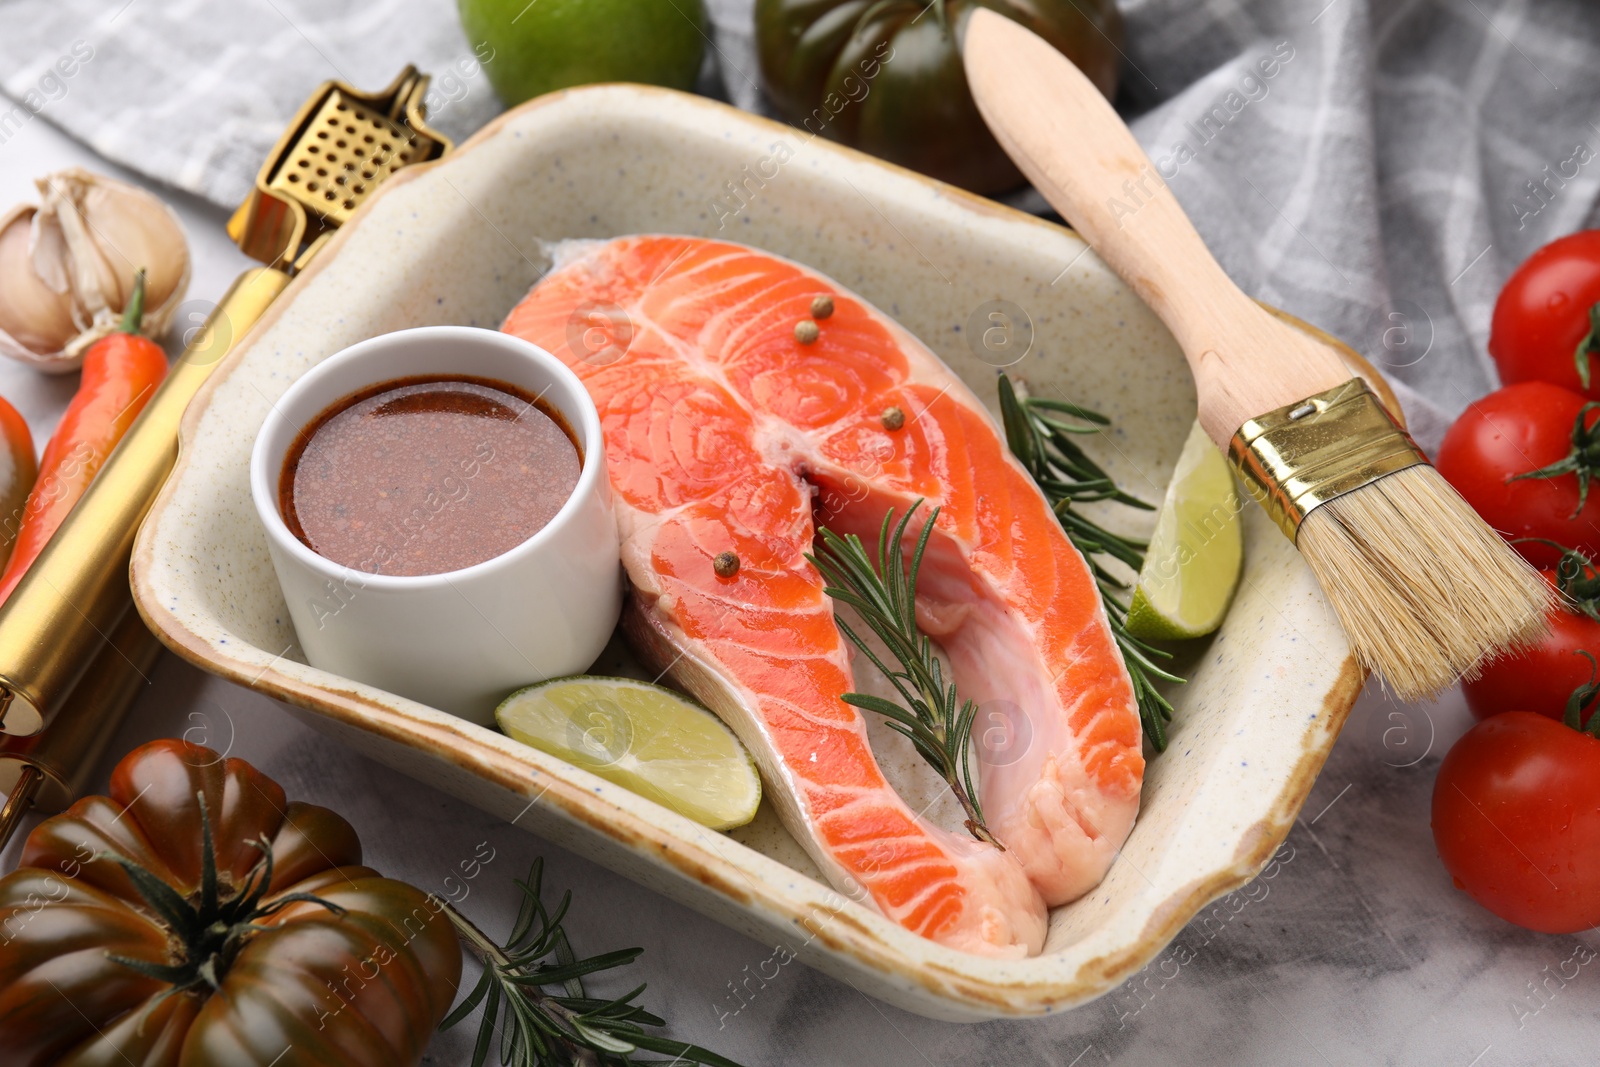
(682, 1053)
(470, 1002)
(552, 975)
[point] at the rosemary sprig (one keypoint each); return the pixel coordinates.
(930, 714)
(542, 1028)
(1040, 434)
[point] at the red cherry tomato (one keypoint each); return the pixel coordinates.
(1516, 820)
(1516, 430)
(1543, 315)
(1540, 678)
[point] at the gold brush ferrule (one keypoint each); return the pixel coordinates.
(1306, 453)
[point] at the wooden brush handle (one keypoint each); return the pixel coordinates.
(1080, 155)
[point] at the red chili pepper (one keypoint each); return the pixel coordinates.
(120, 375)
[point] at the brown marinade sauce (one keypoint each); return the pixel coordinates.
(427, 475)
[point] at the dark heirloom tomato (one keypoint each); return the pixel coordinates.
(885, 76)
(346, 967)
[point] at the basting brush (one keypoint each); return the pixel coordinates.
(1424, 588)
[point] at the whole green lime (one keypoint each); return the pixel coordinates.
(540, 45)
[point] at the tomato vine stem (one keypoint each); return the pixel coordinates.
(212, 929)
(1583, 461)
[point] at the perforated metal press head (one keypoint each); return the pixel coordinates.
(348, 150)
(340, 147)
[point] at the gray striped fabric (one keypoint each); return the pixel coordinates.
(1377, 168)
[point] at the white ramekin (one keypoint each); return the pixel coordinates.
(463, 639)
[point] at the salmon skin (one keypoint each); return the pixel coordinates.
(723, 432)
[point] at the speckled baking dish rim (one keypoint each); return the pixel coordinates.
(460, 240)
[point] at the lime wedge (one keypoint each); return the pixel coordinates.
(1192, 566)
(643, 737)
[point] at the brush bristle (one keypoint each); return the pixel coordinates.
(1426, 591)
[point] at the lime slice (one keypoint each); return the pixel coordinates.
(642, 737)
(1192, 566)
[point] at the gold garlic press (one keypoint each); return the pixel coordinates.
(73, 655)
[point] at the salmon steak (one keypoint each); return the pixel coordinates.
(724, 432)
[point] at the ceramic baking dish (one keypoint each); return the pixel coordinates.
(461, 240)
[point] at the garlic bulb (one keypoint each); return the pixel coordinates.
(67, 267)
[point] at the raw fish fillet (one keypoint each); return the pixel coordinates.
(723, 432)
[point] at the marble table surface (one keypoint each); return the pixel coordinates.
(1356, 951)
